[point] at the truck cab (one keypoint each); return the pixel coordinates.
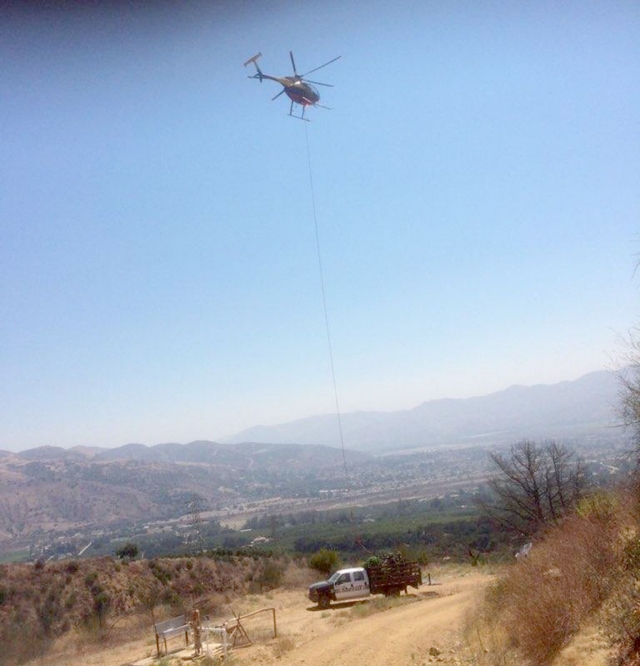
(343, 585)
(350, 583)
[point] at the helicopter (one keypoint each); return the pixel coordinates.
(299, 90)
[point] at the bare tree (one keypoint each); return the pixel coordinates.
(533, 485)
(565, 479)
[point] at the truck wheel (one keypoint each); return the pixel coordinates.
(324, 601)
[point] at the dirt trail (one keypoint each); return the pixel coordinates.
(346, 636)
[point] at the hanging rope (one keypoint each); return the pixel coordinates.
(324, 305)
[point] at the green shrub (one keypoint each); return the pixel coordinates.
(632, 557)
(129, 550)
(600, 505)
(324, 561)
(72, 566)
(91, 578)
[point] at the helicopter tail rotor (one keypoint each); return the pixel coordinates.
(254, 60)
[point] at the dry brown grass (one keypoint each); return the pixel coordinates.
(298, 575)
(283, 644)
(103, 601)
(540, 603)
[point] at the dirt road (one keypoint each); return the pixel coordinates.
(354, 634)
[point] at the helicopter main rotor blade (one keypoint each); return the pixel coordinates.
(278, 95)
(321, 66)
(293, 62)
(317, 83)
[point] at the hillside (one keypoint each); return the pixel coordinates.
(428, 626)
(50, 489)
(567, 410)
(43, 602)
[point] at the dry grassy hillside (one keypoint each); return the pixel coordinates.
(59, 494)
(49, 491)
(574, 601)
(581, 576)
(40, 603)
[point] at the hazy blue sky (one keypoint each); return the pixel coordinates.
(477, 188)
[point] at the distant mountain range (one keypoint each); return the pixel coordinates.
(51, 489)
(569, 410)
(223, 456)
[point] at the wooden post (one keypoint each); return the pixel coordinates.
(196, 628)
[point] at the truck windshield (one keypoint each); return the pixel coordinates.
(335, 577)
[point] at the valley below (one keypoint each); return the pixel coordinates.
(56, 503)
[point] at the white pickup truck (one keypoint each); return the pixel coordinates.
(388, 576)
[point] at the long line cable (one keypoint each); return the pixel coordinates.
(324, 305)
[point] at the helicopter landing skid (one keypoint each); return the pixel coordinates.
(300, 117)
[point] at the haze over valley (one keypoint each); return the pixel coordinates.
(84, 495)
(581, 408)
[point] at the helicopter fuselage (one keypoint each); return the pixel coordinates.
(296, 89)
